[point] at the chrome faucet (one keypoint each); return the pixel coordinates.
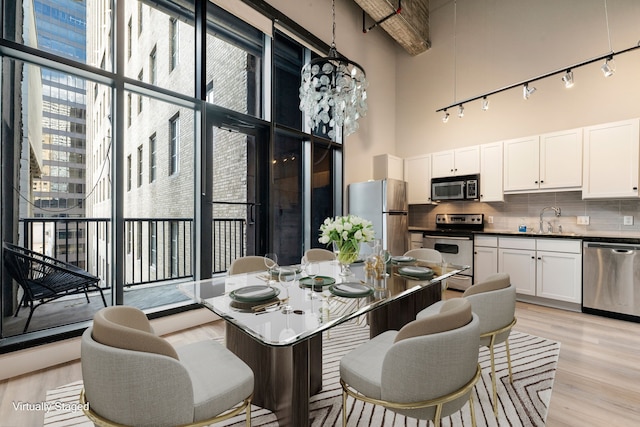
(542, 211)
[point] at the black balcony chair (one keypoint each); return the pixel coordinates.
(44, 279)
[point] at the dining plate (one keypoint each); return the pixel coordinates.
(254, 293)
(401, 259)
(309, 282)
(351, 290)
(294, 269)
(416, 271)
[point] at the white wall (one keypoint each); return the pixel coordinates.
(502, 42)
(375, 52)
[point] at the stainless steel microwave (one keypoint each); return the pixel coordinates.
(464, 187)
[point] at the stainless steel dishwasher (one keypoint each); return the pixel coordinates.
(611, 279)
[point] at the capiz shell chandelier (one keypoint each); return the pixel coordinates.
(333, 92)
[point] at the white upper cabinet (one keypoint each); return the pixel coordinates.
(462, 161)
(388, 166)
(546, 162)
(561, 160)
(611, 160)
(522, 164)
(417, 173)
(491, 172)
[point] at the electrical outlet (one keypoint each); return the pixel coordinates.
(627, 220)
(583, 220)
(490, 219)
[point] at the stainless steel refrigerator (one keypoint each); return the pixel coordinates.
(384, 203)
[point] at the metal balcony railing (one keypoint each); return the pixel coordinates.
(156, 249)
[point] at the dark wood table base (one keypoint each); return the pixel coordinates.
(402, 311)
(285, 377)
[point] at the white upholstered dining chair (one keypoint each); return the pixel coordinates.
(247, 264)
(133, 377)
(413, 371)
(494, 301)
(428, 255)
(425, 254)
(319, 254)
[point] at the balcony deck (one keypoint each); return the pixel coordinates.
(76, 309)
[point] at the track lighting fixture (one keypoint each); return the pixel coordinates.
(460, 111)
(485, 104)
(608, 68)
(527, 91)
(568, 79)
(445, 118)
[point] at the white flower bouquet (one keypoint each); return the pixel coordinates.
(346, 233)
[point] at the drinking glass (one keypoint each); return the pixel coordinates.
(271, 262)
(312, 269)
(385, 256)
(286, 277)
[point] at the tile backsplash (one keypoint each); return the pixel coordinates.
(605, 216)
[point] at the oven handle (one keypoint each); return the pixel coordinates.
(426, 236)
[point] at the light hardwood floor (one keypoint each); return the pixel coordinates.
(597, 382)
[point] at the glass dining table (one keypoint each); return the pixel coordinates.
(284, 348)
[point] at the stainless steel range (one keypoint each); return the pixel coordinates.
(453, 238)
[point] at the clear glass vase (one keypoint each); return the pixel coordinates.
(346, 254)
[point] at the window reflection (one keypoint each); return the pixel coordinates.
(234, 63)
(289, 59)
(286, 193)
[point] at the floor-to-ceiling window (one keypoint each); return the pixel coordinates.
(113, 160)
(306, 169)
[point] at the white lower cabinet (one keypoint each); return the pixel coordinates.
(517, 257)
(415, 240)
(548, 268)
(485, 257)
(559, 270)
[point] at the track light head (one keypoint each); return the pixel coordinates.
(568, 79)
(460, 111)
(527, 91)
(445, 118)
(485, 104)
(609, 67)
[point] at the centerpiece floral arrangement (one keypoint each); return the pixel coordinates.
(346, 233)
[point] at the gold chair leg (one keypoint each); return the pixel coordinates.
(248, 411)
(472, 410)
(493, 377)
(438, 415)
(344, 408)
(506, 343)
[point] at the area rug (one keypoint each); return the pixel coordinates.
(523, 403)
